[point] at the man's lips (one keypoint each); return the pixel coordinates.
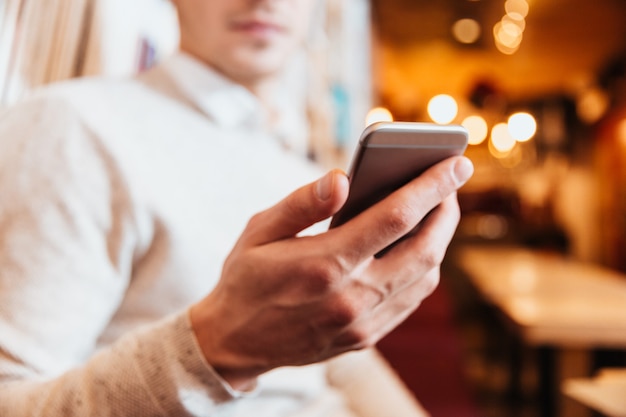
(256, 26)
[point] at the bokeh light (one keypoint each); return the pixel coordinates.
(522, 126)
(501, 139)
(477, 129)
(516, 7)
(378, 114)
(466, 30)
(592, 104)
(515, 19)
(442, 109)
(508, 34)
(509, 31)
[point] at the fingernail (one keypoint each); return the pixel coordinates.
(463, 170)
(324, 186)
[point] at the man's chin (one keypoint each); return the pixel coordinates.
(259, 68)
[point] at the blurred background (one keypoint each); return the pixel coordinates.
(561, 65)
(541, 87)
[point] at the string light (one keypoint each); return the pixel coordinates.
(509, 31)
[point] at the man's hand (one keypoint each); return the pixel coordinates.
(287, 300)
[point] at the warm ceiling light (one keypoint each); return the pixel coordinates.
(442, 109)
(508, 34)
(505, 49)
(501, 139)
(477, 128)
(516, 6)
(378, 114)
(592, 104)
(507, 37)
(522, 126)
(515, 19)
(466, 30)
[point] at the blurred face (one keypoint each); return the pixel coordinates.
(246, 40)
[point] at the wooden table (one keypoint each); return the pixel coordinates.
(550, 301)
(605, 392)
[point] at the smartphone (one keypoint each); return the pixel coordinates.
(391, 154)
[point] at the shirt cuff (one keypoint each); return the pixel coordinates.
(176, 373)
(199, 360)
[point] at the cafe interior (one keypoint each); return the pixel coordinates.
(530, 315)
(529, 318)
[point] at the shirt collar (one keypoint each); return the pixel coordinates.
(227, 103)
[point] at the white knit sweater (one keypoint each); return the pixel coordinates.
(119, 200)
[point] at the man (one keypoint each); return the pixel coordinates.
(124, 289)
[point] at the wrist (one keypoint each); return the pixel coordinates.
(231, 369)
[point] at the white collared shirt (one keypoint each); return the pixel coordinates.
(229, 104)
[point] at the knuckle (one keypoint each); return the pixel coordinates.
(444, 185)
(258, 221)
(297, 206)
(442, 189)
(322, 275)
(431, 258)
(401, 218)
(339, 313)
(418, 292)
(452, 208)
(342, 313)
(397, 283)
(254, 220)
(431, 281)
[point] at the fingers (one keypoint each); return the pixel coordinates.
(396, 215)
(368, 329)
(302, 208)
(403, 290)
(422, 251)
(414, 263)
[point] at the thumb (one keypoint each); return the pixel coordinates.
(302, 208)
